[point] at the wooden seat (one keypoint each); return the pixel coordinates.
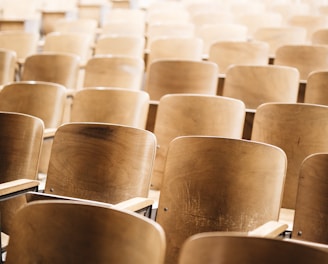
(114, 71)
(316, 88)
(23, 43)
(227, 53)
(217, 184)
(192, 114)
(111, 105)
(61, 68)
(181, 76)
(272, 84)
(175, 48)
(280, 36)
(8, 60)
(21, 139)
(298, 129)
(120, 45)
(79, 44)
(320, 37)
(311, 214)
(83, 232)
(101, 162)
(221, 247)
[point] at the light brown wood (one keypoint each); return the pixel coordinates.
(49, 19)
(17, 185)
(103, 162)
(181, 76)
(271, 229)
(80, 25)
(111, 105)
(227, 53)
(191, 114)
(224, 248)
(71, 232)
(217, 184)
(123, 27)
(183, 48)
(114, 71)
(79, 44)
(21, 139)
(259, 84)
(316, 88)
(23, 43)
(8, 60)
(320, 37)
(305, 58)
(299, 129)
(61, 68)
(121, 45)
(279, 36)
(311, 214)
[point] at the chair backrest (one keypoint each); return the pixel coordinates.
(114, 71)
(68, 232)
(279, 36)
(182, 48)
(316, 88)
(311, 213)
(8, 60)
(315, 56)
(192, 114)
(320, 37)
(255, 85)
(69, 42)
(23, 43)
(181, 76)
(223, 248)
(103, 162)
(217, 184)
(227, 53)
(61, 68)
(41, 99)
(121, 45)
(298, 129)
(80, 25)
(111, 105)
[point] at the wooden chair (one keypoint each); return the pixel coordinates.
(79, 44)
(114, 71)
(123, 27)
(8, 60)
(192, 114)
(181, 76)
(257, 84)
(320, 37)
(100, 162)
(311, 214)
(21, 138)
(280, 36)
(79, 25)
(172, 15)
(316, 91)
(111, 105)
(221, 247)
(221, 32)
(211, 16)
(120, 45)
(60, 68)
(217, 184)
(175, 48)
(23, 43)
(227, 53)
(298, 129)
(103, 235)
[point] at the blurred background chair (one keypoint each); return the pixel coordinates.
(316, 91)
(8, 66)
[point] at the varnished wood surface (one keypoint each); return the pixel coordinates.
(72, 232)
(299, 129)
(224, 248)
(111, 105)
(217, 184)
(311, 213)
(191, 114)
(316, 88)
(61, 68)
(102, 162)
(114, 71)
(255, 85)
(8, 64)
(181, 76)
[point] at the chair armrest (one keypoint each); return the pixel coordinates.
(270, 229)
(134, 204)
(49, 133)
(12, 188)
